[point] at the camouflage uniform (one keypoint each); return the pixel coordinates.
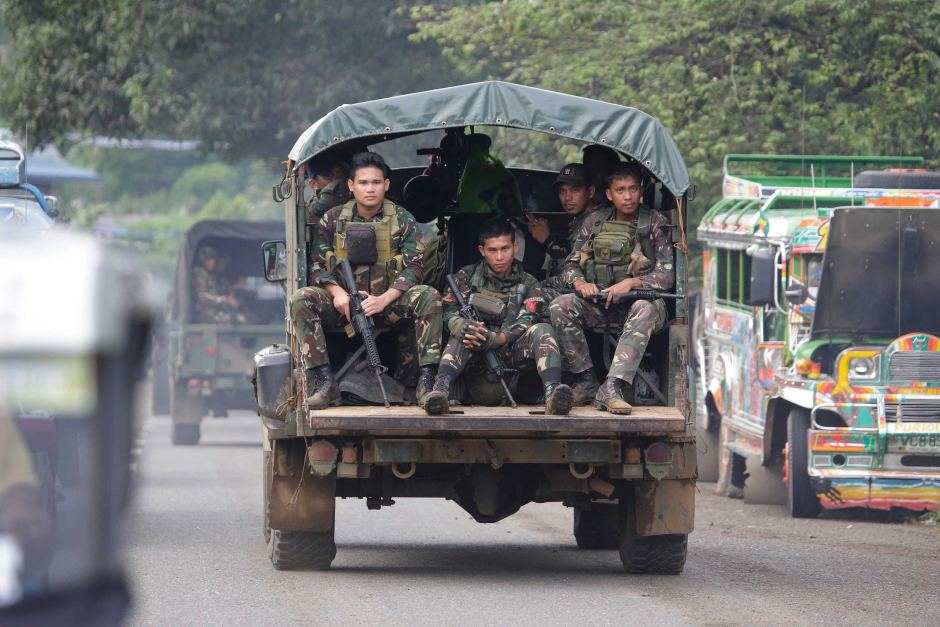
(334, 194)
(559, 249)
(212, 294)
(529, 344)
(570, 313)
(312, 307)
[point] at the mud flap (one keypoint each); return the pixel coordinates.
(664, 507)
(299, 501)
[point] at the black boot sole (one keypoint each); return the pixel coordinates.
(436, 403)
(560, 402)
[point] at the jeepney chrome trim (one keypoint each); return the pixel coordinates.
(835, 406)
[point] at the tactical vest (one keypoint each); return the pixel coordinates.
(613, 242)
(383, 257)
(512, 299)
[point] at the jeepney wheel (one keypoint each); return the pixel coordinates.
(654, 555)
(801, 497)
(598, 527)
(294, 550)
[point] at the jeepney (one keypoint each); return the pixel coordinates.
(817, 334)
(630, 480)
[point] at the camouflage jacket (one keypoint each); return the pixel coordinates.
(334, 194)
(559, 247)
(407, 241)
(520, 291)
(210, 290)
(661, 277)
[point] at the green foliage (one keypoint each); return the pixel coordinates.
(200, 183)
(244, 76)
(818, 76)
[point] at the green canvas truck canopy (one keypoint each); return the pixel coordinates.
(496, 103)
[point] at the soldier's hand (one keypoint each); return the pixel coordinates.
(585, 289)
(373, 305)
(475, 335)
(620, 289)
(538, 228)
(341, 303)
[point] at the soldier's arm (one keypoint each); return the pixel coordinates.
(202, 287)
(410, 248)
(572, 271)
(451, 308)
(663, 274)
(526, 316)
(317, 273)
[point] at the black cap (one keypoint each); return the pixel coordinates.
(572, 174)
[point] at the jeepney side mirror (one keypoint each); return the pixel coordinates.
(53, 203)
(274, 257)
(796, 293)
(763, 275)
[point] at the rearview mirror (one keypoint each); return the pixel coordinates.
(763, 278)
(274, 256)
(796, 293)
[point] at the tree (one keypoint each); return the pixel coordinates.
(244, 76)
(818, 76)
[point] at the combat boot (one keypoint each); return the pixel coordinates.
(558, 399)
(584, 387)
(610, 397)
(437, 400)
(322, 389)
(426, 382)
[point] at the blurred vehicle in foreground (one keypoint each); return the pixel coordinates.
(818, 338)
(74, 322)
(220, 313)
(21, 204)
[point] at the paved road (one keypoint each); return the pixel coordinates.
(197, 556)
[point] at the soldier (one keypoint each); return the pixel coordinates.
(575, 193)
(600, 161)
(510, 323)
(326, 176)
(382, 244)
(604, 262)
(214, 299)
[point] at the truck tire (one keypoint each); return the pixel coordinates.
(294, 550)
(598, 527)
(801, 497)
(656, 555)
(185, 435)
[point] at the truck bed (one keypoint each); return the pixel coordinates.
(474, 418)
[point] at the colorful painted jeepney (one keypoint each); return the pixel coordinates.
(817, 335)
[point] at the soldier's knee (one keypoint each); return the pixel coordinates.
(304, 299)
(562, 308)
(542, 329)
(426, 298)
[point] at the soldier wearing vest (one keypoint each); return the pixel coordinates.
(382, 244)
(605, 260)
(326, 176)
(509, 303)
(576, 196)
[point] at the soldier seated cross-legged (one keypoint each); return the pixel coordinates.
(380, 240)
(506, 303)
(603, 269)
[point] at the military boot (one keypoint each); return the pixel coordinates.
(558, 399)
(426, 375)
(437, 400)
(610, 397)
(322, 389)
(584, 387)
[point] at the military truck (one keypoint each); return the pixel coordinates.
(202, 364)
(630, 480)
(818, 333)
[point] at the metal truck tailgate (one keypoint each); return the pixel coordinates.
(524, 418)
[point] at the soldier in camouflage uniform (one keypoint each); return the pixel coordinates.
(601, 263)
(510, 326)
(214, 299)
(391, 277)
(326, 176)
(576, 195)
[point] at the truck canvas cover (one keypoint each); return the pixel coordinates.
(496, 103)
(877, 262)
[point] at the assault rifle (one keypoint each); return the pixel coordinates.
(491, 358)
(362, 324)
(637, 293)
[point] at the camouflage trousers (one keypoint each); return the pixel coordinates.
(535, 349)
(312, 311)
(551, 288)
(571, 314)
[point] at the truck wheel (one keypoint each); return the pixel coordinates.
(293, 550)
(598, 527)
(185, 435)
(801, 497)
(658, 555)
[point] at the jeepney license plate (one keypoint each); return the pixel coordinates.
(917, 442)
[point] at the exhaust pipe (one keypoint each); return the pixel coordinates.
(581, 470)
(404, 471)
